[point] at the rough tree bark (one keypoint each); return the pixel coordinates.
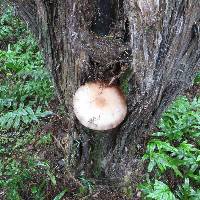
(153, 44)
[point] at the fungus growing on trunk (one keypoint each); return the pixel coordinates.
(99, 106)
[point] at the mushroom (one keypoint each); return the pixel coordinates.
(99, 106)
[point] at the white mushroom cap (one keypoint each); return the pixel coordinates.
(99, 106)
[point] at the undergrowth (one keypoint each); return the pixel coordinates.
(25, 89)
(173, 154)
(24, 84)
(11, 28)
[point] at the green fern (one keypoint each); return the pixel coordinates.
(175, 148)
(23, 115)
(25, 89)
(182, 119)
(157, 191)
(187, 192)
(10, 27)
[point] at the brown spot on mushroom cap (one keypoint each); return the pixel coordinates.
(99, 106)
(100, 102)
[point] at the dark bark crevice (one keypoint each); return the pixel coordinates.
(108, 18)
(104, 17)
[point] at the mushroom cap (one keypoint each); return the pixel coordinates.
(99, 106)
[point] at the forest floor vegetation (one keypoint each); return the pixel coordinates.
(33, 127)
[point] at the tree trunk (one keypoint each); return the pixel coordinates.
(151, 46)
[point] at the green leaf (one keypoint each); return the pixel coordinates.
(52, 178)
(31, 114)
(25, 119)
(17, 122)
(60, 195)
(198, 158)
(151, 165)
(158, 134)
(34, 189)
(161, 192)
